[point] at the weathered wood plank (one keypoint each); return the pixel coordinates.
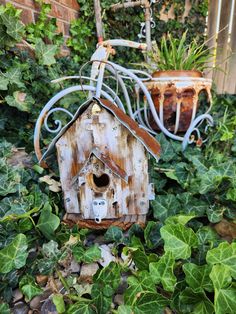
(213, 8)
(230, 81)
(65, 158)
(69, 162)
(222, 45)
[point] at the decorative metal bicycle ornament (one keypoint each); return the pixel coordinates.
(102, 151)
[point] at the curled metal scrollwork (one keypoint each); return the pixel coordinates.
(142, 33)
(137, 109)
(57, 122)
(188, 139)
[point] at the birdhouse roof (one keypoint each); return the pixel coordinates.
(116, 169)
(149, 142)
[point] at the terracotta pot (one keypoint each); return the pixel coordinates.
(176, 97)
(177, 73)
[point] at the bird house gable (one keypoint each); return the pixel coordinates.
(108, 163)
(150, 144)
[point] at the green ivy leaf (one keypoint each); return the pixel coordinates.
(152, 234)
(15, 28)
(191, 205)
(225, 301)
(165, 206)
(149, 303)
(4, 308)
(58, 300)
(51, 256)
(102, 302)
(207, 235)
(231, 195)
(211, 179)
(124, 309)
(140, 259)
(114, 234)
(197, 277)
(109, 276)
(21, 101)
(200, 167)
(203, 307)
(5, 149)
(195, 302)
(182, 173)
(78, 252)
(230, 213)
(48, 222)
(215, 214)
(106, 281)
(163, 271)
(171, 175)
(3, 82)
(136, 243)
(167, 151)
(141, 283)
(81, 307)
(11, 28)
(14, 255)
(50, 249)
(224, 254)
(25, 224)
(90, 255)
(29, 288)
(10, 179)
(45, 53)
(179, 240)
(220, 276)
(15, 207)
(225, 293)
(179, 219)
(14, 76)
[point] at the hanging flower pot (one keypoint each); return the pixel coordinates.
(177, 97)
(178, 85)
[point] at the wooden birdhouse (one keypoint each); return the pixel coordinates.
(103, 163)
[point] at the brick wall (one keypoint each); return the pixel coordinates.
(63, 10)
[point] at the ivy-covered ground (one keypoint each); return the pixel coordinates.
(183, 261)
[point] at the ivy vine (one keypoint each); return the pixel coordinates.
(185, 256)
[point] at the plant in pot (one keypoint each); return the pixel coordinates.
(178, 83)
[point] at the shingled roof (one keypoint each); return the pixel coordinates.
(148, 141)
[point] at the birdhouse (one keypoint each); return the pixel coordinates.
(103, 162)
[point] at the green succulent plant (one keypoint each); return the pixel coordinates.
(178, 54)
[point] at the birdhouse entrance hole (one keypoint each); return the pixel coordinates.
(101, 181)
